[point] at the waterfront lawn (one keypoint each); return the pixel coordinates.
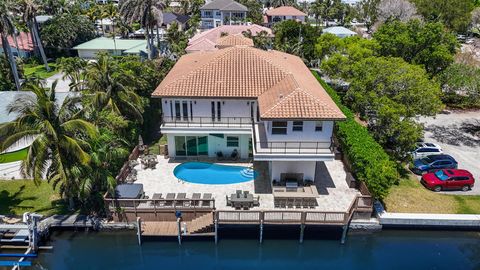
(39, 71)
(19, 196)
(409, 196)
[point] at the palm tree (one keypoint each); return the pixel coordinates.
(112, 88)
(7, 28)
(149, 13)
(59, 137)
(279, 3)
(72, 68)
(29, 8)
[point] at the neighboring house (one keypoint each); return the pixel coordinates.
(264, 105)
(339, 31)
(222, 12)
(181, 20)
(276, 15)
(24, 42)
(90, 49)
(207, 40)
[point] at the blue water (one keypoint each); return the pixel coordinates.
(213, 174)
(384, 250)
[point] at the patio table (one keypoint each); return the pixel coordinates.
(242, 201)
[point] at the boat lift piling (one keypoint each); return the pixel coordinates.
(139, 231)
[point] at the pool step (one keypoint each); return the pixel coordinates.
(248, 173)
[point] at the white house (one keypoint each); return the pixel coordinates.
(263, 105)
(90, 49)
(339, 31)
(222, 12)
(279, 14)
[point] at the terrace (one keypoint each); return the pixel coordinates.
(329, 190)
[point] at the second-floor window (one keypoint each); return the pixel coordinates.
(297, 126)
(318, 126)
(279, 127)
(218, 14)
(207, 14)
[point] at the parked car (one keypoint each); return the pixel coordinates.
(449, 179)
(426, 149)
(432, 163)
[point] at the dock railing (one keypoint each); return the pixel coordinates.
(282, 217)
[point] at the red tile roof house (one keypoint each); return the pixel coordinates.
(264, 105)
(25, 45)
(283, 13)
(207, 40)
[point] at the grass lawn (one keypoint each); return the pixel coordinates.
(40, 71)
(411, 197)
(154, 148)
(13, 156)
(19, 196)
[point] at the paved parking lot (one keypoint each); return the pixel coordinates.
(458, 133)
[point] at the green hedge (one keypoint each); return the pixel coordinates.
(370, 163)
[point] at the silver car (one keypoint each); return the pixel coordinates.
(426, 149)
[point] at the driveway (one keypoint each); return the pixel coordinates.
(458, 133)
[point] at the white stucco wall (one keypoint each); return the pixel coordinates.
(305, 167)
(92, 54)
(308, 134)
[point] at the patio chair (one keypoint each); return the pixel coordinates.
(239, 193)
(256, 201)
(206, 199)
(229, 202)
(234, 155)
(220, 155)
(245, 194)
(195, 198)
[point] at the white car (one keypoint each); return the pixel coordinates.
(426, 149)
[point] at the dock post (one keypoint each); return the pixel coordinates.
(302, 230)
(261, 231)
(179, 225)
(344, 234)
(216, 230)
(139, 230)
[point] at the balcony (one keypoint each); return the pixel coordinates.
(207, 124)
(265, 150)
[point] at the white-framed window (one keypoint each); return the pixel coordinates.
(297, 126)
(232, 141)
(319, 126)
(207, 14)
(279, 127)
(218, 14)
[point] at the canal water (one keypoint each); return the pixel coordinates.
(388, 249)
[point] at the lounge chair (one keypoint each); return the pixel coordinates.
(206, 199)
(195, 198)
(181, 196)
(169, 199)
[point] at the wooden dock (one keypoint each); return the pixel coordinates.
(198, 226)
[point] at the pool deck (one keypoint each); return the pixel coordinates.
(334, 194)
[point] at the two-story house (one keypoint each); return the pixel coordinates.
(279, 14)
(222, 12)
(264, 105)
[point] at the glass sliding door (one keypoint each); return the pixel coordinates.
(180, 148)
(203, 146)
(191, 145)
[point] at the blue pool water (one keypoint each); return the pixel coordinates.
(213, 174)
(383, 250)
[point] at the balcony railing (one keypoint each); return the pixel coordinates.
(223, 122)
(293, 147)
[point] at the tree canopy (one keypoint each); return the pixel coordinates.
(461, 86)
(454, 14)
(296, 38)
(428, 44)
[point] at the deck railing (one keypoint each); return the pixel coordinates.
(292, 147)
(281, 217)
(226, 122)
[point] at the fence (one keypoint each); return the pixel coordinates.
(125, 170)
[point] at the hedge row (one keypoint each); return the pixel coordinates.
(370, 163)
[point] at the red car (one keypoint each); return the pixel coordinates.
(448, 179)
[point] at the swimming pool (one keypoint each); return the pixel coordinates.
(213, 174)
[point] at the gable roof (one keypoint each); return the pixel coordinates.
(233, 40)
(103, 43)
(339, 30)
(225, 5)
(214, 34)
(284, 11)
(284, 86)
(169, 17)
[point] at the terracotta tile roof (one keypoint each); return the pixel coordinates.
(284, 86)
(214, 34)
(201, 45)
(24, 41)
(233, 40)
(284, 11)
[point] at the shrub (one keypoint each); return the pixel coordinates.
(370, 163)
